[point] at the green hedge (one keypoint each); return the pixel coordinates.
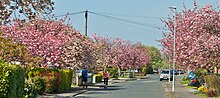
(98, 78)
(114, 72)
(65, 80)
(12, 79)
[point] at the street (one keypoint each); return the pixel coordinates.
(142, 88)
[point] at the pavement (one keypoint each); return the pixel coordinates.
(180, 90)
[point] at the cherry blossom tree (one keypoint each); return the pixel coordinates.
(103, 48)
(43, 38)
(79, 52)
(121, 54)
(127, 55)
(197, 37)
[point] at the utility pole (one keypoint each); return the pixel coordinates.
(86, 24)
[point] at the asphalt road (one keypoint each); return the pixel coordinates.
(143, 88)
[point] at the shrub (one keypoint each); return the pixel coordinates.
(149, 69)
(113, 72)
(65, 80)
(144, 70)
(98, 78)
(40, 85)
(51, 85)
(30, 91)
(213, 82)
(200, 72)
(55, 80)
(50, 76)
(212, 92)
(4, 82)
(11, 81)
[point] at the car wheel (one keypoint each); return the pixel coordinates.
(161, 79)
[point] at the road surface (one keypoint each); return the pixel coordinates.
(142, 88)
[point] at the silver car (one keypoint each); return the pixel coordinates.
(165, 75)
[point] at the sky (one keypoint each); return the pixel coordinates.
(133, 20)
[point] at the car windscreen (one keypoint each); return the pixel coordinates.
(165, 72)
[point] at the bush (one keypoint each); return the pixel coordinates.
(65, 80)
(50, 76)
(52, 84)
(212, 92)
(98, 78)
(144, 70)
(113, 72)
(200, 72)
(30, 91)
(213, 82)
(55, 80)
(40, 85)
(12, 79)
(150, 70)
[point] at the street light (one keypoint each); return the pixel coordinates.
(174, 44)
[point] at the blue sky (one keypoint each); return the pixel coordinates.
(128, 10)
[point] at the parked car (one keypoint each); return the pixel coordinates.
(181, 71)
(165, 75)
(175, 72)
(155, 71)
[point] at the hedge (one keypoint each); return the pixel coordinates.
(65, 80)
(50, 76)
(56, 80)
(12, 79)
(98, 78)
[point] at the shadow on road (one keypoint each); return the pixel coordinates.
(100, 90)
(109, 88)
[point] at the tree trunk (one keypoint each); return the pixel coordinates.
(119, 71)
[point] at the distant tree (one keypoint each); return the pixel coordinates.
(127, 55)
(155, 57)
(120, 53)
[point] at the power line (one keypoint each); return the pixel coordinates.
(127, 21)
(132, 25)
(119, 19)
(69, 14)
(151, 17)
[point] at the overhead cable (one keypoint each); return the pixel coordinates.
(69, 14)
(128, 21)
(137, 16)
(132, 25)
